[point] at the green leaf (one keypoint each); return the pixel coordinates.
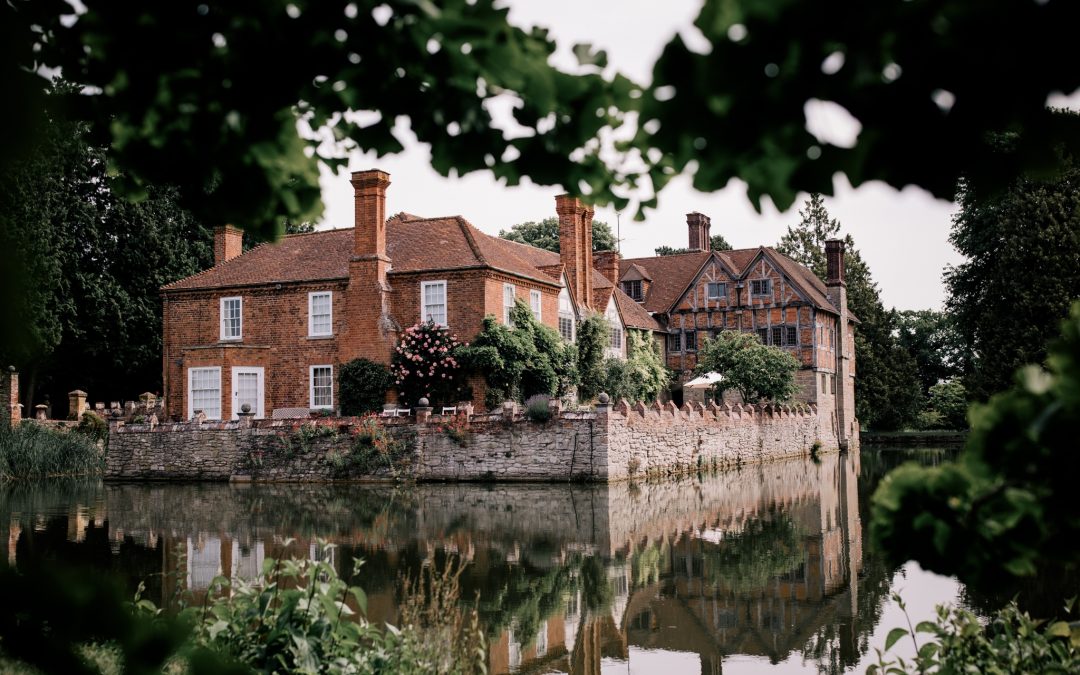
(1059, 629)
(926, 627)
(894, 635)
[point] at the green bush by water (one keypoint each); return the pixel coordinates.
(34, 452)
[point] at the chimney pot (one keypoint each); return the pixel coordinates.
(834, 262)
(698, 225)
(575, 245)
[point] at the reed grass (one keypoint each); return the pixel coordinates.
(31, 452)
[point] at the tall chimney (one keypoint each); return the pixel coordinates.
(844, 382)
(575, 245)
(698, 224)
(834, 262)
(370, 331)
(228, 243)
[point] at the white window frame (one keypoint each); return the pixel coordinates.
(221, 319)
(424, 285)
(509, 290)
(311, 313)
(191, 390)
(311, 387)
(566, 313)
(535, 303)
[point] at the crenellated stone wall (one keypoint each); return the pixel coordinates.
(604, 444)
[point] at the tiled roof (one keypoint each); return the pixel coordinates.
(413, 244)
(673, 274)
(316, 256)
(633, 314)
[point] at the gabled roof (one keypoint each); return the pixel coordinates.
(673, 274)
(634, 315)
(636, 272)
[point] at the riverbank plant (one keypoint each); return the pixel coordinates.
(34, 452)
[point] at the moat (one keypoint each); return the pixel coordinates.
(763, 569)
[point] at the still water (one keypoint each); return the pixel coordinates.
(759, 570)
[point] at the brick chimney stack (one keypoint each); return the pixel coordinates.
(371, 329)
(228, 243)
(834, 262)
(575, 245)
(607, 263)
(845, 345)
(698, 224)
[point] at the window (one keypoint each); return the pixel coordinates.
(761, 287)
(508, 303)
(633, 289)
(320, 314)
(204, 392)
(675, 342)
(792, 337)
(716, 291)
(777, 335)
(231, 318)
(616, 337)
(763, 335)
(322, 387)
(691, 341)
(534, 303)
(566, 316)
(433, 302)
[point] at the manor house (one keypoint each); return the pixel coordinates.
(269, 327)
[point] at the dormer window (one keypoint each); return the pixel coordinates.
(633, 289)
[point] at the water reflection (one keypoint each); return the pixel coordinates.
(763, 562)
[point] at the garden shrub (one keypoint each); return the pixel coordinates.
(362, 386)
(93, 426)
(593, 338)
(538, 408)
(425, 365)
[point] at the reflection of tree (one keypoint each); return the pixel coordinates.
(521, 595)
(747, 561)
(646, 563)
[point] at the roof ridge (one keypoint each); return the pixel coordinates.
(294, 235)
(466, 229)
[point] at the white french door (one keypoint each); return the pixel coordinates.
(247, 387)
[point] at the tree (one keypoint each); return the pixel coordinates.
(642, 375)
(1008, 502)
(593, 339)
(716, 243)
(1022, 272)
(887, 391)
(758, 372)
(85, 268)
(949, 400)
(932, 339)
(545, 235)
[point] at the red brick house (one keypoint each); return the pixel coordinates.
(694, 295)
(270, 327)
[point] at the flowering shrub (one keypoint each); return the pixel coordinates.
(424, 365)
(456, 428)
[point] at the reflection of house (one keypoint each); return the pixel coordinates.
(270, 327)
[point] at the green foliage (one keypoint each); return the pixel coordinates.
(642, 375)
(1022, 271)
(372, 448)
(934, 342)
(716, 243)
(593, 339)
(80, 269)
(958, 642)
(949, 401)
(425, 365)
(33, 452)
(236, 151)
(362, 386)
(769, 56)
(545, 235)
(93, 427)
(887, 393)
(748, 560)
(522, 361)
(1009, 500)
(538, 408)
(758, 372)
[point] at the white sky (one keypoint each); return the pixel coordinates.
(903, 235)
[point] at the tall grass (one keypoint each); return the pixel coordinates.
(31, 452)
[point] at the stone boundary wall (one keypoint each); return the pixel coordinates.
(605, 444)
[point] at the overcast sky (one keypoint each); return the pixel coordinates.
(903, 235)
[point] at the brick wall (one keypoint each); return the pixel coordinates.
(603, 445)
